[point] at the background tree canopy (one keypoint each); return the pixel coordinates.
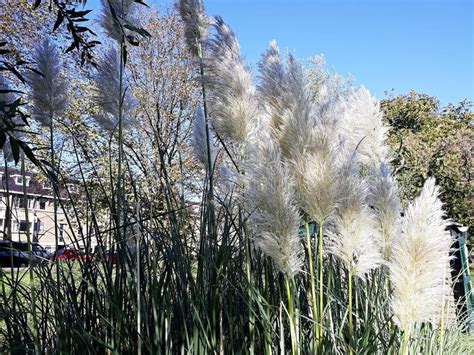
(430, 140)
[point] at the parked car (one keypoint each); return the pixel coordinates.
(70, 254)
(17, 252)
(111, 256)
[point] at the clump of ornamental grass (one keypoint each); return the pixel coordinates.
(420, 262)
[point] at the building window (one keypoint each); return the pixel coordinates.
(40, 226)
(21, 227)
(47, 185)
(61, 233)
(24, 226)
(1, 222)
(42, 204)
(72, 188)
(20, 202)
(19, 180)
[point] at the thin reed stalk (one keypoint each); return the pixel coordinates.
(36, 337)
(321, 283)
(312, 285)
(406, 337)
(291, 313)
(350, 314)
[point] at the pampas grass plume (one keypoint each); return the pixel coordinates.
(270, 197)
(295, 135)
(108, 93)
(196, 23)
(419, 260)
(48, 91)
(383, 198)
(232, 92)
(363, 128)
(352, 236)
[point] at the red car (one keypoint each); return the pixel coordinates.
(70, 254)
(111, 257)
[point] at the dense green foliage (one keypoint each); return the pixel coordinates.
(430, 140)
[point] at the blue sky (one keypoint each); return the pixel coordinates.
(425, 45)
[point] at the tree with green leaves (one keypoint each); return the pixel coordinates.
(430, 140)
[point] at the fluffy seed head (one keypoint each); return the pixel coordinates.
(281, 85)
(285, 92)
(295, 135)
(420, 260)
(196, 23)
(270, 197)
(363, 128)
(317, 166)
(352, 236)
(272, 82)
(232, 93)
(48, 91)
(108, 93)
(316, 182)
(383, 198)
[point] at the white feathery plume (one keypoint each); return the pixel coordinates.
(286, 93)
(352, 236)
(48, 91)
(363, 128)
(232, 92)
(295, 135)
(316, 177)
(270, 198)
(316, 169)
(196, 23)
(272, 73)
(420, 259)
(200, 140)
(114, 26)
(108, 93)
(273, 89)
(383, 198)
